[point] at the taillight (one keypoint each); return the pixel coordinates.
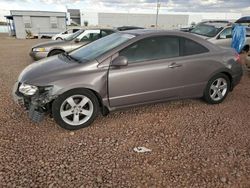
(237, 57)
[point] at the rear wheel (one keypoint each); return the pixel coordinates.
(217, 89)
(55, 52)
(75, 109)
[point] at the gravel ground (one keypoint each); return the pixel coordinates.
(193, 144)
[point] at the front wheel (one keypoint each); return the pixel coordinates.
(75, 109)
(217, 89)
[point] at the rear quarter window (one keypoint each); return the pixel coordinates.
(190, 47)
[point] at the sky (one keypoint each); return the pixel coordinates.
(135, 6)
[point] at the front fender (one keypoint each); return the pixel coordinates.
(95, 81)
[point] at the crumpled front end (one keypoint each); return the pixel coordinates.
(38, 104)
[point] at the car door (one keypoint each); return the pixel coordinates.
(86, 37)
(224, 38)
(158, 69)
(147, 77)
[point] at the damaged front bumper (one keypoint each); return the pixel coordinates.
(38, 104)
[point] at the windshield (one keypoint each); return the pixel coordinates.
(74, 35)
(206, 30)
(99, 47)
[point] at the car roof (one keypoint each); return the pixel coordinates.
(143, 31)
(153, 32)
(216, 21)
(137, 32)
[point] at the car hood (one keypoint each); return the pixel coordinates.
(45, 70)
(50, 43)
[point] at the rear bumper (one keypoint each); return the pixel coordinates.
(236, 80)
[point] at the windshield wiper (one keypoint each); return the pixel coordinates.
(69, 57)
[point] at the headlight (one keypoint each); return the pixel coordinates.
(39, 49)
(27, 89)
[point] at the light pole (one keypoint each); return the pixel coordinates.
(157, 13)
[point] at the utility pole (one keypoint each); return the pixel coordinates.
(157, 13)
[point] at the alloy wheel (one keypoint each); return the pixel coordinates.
(218, 89)
(76, 110)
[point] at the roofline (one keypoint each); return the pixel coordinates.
(37, 11)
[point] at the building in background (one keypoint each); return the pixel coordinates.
(43, 23)
(36, 23)
(172, 20)
(166, 21)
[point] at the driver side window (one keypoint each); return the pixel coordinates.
(153, 48)
(226, 33)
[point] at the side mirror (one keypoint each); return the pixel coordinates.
(120, 61)
(77, 40)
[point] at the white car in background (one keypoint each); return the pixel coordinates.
(72, 42)
(64, 34)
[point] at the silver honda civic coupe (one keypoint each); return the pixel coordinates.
(126, 69)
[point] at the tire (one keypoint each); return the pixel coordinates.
(55, 52)
(217, 89)
(77, 113)
(59, 38)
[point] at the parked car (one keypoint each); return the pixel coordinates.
(126, 69)
(78, 39)
(218, 33)
(189, 28)
(65, 34)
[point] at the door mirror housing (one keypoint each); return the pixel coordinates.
(120, 61)
(77, 40)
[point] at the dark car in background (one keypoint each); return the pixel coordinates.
(126, 28)
(244, 20)
(126, 69)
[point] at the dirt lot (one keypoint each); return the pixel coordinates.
(193, 144)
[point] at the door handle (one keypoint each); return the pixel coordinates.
(174, 65)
